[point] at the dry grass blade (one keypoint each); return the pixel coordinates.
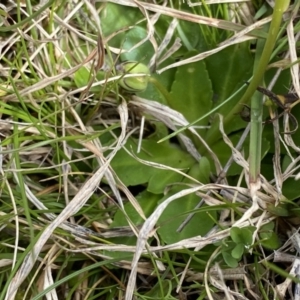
(144, 234)
(292, 49)
(77, 202)
(209, 2)
(238, 38)
(173, 118)
(97, 145)
(185, 16)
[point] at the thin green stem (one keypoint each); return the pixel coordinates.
(280, 6)
(256, 123)
(255, 137)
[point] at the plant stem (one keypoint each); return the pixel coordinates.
(280, 6)
(256, 125)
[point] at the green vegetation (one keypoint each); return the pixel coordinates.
(140, 155)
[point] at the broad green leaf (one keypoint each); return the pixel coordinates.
(161, 130)
(238, 251)
(247, 235)
(235, 233)
(266, 231)
(147, 202)
(160, 181)
(141, 54)
(229, 260)
(269, 226)
(191, 92)
(241, 235)
(200, 171)
(228, 70)
(270, 241)
(132, 172)
(114, 18)
(176, 213)
(204, 170)
(189, 34)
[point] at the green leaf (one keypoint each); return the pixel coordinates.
(81, 77)
(235, 233)
(247, 236)
(228, 70)
(270, 241)
(116, 17)
(238, 251)
(204, 170)
(229, 260)
(176, 213)
(241, 235)
(133, 172)
(161, 179)
(143, 53)
(200, 171)
(290, 191)
(190, 34)
(191, 92)
(268, 227)
(147, 202)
